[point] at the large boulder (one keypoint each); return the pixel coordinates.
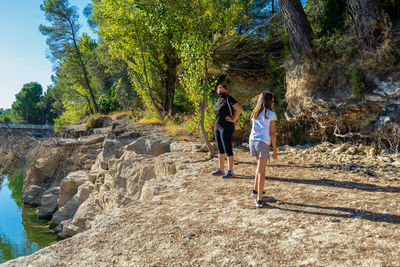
(149, 146)
(32, 195)
(69, 186)
(48, 203)
(67, 211)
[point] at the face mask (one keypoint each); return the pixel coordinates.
(222, 95)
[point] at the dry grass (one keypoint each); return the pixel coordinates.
(117, 115)
(177, 130)
(151, 121)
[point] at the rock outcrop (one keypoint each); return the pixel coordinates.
(51, 160)
(115, 180)
(48, 203)
(334, 107)
(74, 180)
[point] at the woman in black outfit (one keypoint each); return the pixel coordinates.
(224, 127)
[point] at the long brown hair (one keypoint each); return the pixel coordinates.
(264, 102)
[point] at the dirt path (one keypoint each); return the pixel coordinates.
(315, 216)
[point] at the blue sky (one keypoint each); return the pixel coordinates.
(23, 48)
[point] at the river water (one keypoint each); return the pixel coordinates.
(21, 232)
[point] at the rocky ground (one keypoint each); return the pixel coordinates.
(326, 205)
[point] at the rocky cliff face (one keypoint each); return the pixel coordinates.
(336, 110)
(51, 160)
(12, 151)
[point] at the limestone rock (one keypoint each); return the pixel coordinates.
(396, 163)
(182, 146)
(32, 195)
(67, 211)
(48, 203)
(341, 148)
(351, 151)
(69, 186)
(149, 146)
(164, 168)
(85, 214)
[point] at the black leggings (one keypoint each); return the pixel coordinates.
(223, 137)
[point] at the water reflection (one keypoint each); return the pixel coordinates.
(21, 232)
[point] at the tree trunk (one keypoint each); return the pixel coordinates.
(86, 76)
(298, 28)
(273, 6)
(368, 21)
(172, 63)
(153, 102)
(202, 110)
(246, 26)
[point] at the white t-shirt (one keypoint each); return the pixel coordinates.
(260, 128)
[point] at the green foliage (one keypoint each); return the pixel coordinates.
(255, 14)
(142, 35)
(192, 125)
(335, 46)
(63, 41)
(148, 116)
(47, 112)
(326, 17)
(9, 116)
(182, 103)
(357, 85)
(27, 103)
(94, 121)
(72, 114)
(64, 29)
(126, 96)
(334, 16)
(107, 102)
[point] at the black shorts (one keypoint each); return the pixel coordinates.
(223, 137)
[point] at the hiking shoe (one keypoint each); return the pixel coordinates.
(254, 193)
(229, 174)
(259, 203)
(218, 172)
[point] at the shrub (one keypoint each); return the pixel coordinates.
(72, 114)
(192, 125)
(94, 121)
(182, 103)
(357, 85)
(107, 102)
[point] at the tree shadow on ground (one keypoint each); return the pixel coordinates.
(348, 212)
(332, 183)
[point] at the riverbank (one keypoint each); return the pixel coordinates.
(21, 231)
(326, 205)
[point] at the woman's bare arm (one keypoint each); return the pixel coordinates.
(272, 133)
(237, 110)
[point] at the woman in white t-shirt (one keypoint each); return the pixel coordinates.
(262, 135)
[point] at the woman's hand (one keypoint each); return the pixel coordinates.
(229, 118)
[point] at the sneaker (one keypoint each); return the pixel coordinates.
(218, 172)
(254, 193)
(259, 203)
(229, 174)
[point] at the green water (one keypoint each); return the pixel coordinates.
(21, 232)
